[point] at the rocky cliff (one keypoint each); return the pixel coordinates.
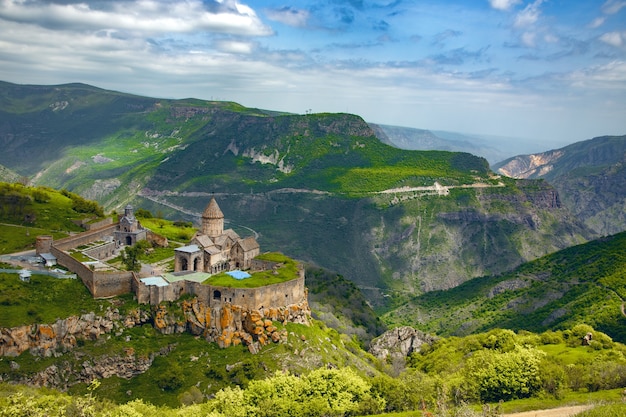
(231, 325)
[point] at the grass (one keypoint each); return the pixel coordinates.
(286, 271)
(168, 229)
(17, 238)
(43, 300)
(40, 211)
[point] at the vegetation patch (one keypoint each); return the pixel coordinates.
(43, 299)
(284, 270)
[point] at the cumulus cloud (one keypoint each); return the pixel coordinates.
(150, 16)
(289, 16)
(503, 4)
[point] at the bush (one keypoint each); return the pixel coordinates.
(172, 379)
(494, 376)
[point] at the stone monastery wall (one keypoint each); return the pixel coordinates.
(85, 238)
(276, 295)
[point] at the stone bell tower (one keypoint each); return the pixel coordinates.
(213, 220)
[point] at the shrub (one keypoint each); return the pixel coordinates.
(494, 376)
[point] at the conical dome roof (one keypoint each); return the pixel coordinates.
(212, 210)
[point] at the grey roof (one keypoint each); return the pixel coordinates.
(212, 250)
(188, 249)
(249, 244)
(157, 281)
(203, 240)
(48, 256)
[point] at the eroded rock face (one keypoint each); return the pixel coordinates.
(232, 325)
(398, 343)
(48, 339)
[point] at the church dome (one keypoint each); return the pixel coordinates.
(212, 210)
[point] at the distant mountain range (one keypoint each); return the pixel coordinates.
(590, 177)
(492, 148)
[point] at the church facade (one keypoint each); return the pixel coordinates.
(213, 249)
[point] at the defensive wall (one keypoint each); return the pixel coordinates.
(85, 238)
(274, 295)
(101, 284)
(102, 251)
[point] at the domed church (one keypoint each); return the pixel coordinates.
(214, 249)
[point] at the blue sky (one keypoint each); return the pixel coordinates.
(552, 72)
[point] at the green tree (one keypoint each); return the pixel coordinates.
(494, 376)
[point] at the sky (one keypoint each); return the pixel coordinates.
(548, 71)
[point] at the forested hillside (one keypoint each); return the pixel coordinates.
(585, 283)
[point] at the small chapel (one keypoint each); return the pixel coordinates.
(213, 249)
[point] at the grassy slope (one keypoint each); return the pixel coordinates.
(585, 283)
(26, 212)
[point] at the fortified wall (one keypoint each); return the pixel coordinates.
(275, 295)
(101, 282)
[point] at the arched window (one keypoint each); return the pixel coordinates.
(217, 295)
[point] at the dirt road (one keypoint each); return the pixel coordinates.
(553, 412)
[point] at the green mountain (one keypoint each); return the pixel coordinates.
(319, 187)
(589, 176)
(581, 284)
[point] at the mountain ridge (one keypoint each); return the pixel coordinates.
(589, 176)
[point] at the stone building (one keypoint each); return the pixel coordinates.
(129, 229)
(214, 249)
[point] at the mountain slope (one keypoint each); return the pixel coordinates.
(581, 284)
(7, 175)
(319, 187)
(589, 176)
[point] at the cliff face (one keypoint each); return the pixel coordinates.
(232, 325)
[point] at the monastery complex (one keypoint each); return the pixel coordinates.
(212, 250)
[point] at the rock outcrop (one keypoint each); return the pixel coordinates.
(399, 343)
(232, 325)
(48, 339)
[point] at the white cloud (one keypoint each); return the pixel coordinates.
(616, 39)
(597, 22)
(503, 4)
(149, 16)
(529, 15)
(234, 47)
(613, 6)
(289, 16)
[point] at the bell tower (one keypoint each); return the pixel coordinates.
(213, 220)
